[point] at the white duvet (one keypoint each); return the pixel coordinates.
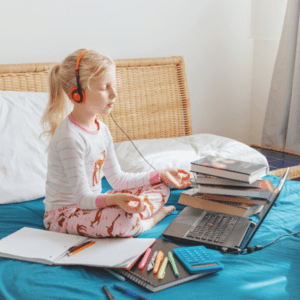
(179, 152)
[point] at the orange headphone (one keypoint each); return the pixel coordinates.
(77, 93)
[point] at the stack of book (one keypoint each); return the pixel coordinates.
(228, 186)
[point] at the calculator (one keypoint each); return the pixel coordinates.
(197, 259)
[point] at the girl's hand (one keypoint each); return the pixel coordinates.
(171, 176)
(128, 202)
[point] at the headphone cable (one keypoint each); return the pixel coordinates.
(133, 143)
(259, 247)
(248, 249)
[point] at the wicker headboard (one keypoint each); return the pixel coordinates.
(153, 99)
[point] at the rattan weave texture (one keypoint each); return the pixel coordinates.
(153, 100)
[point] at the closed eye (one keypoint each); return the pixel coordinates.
(108, 86)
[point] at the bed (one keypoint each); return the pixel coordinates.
(153, 108)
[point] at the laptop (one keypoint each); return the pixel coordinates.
(225, 232)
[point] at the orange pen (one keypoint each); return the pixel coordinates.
(159, 259)
(81, 248)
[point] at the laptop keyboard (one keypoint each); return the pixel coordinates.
(213, 227)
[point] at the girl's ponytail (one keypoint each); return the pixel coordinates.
(56, 109)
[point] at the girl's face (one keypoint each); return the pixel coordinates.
(102, 93)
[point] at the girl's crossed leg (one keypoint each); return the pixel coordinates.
(113, 221)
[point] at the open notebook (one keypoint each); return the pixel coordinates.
(51, 248)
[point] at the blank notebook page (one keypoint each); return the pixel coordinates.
(38, 244)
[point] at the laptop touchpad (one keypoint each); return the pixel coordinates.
(189, 215)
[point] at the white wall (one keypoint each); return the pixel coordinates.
(225, 59)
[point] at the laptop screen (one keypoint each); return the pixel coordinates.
(266, 208)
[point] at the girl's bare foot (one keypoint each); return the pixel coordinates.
(158, 216)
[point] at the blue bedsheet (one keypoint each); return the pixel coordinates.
(272, 273)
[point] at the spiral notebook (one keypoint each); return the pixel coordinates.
(150, 281)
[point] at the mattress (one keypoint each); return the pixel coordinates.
(271, 273)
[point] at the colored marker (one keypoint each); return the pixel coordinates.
(130, 293)
(172, 261)
(151, 264)
(81, 248)
(159, 259)
(77, 247)
(118, 276)
(162, 270)
(145, 258)
(108, 293)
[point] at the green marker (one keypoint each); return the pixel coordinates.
(172, 261)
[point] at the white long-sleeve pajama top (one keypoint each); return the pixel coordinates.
(76, 157)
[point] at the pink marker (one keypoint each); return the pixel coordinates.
(145, 258)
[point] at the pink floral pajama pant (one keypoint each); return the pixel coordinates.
(110, 221)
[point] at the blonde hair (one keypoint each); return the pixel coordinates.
(62, 79)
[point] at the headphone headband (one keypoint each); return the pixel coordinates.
(79, 58)
(77, 93)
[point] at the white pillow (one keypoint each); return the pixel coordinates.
(180, 152)
(23, 160)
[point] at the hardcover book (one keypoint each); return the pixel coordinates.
(250, 201)
(264, 192)
(229, 168)
(193, 198)
(212, 180)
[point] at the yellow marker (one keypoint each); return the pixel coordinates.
(162, 270)
(159, 258)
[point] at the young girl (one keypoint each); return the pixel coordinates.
(81, 146)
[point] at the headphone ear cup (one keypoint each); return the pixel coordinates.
(77, 95)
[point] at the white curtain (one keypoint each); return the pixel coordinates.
(282, 120)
